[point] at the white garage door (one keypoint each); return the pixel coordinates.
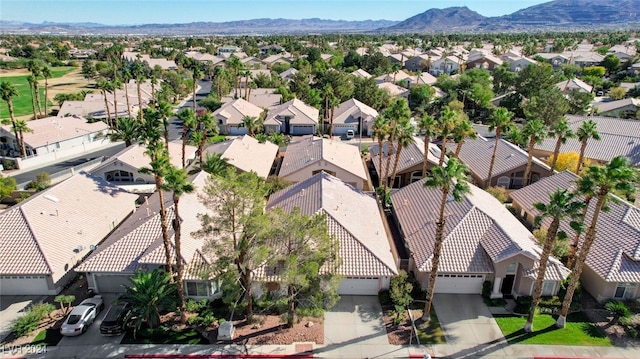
(23, 285)
(358, 286)
(302, 130)
(111, 283)
(459, 283)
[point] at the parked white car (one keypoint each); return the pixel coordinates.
(82, 316)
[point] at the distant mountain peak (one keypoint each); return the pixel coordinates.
(440, 20)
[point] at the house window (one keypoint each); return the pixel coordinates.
(416, 176)
(625, 290)
(503, 182)
(118, 176)
(511, 268)
(323, 170)
(200, 289)
(548, 288)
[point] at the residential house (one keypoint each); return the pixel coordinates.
(361, 73)
(271, 60)
(623, 51)
(554, 59)
(587, 59)
(368, 260)
(253, 74)
(410, 163)
(124, 167)
(230, 117)
(43, 237)
(287, 75)
(482, 60)
(205, 58)
(252, 62)
(82, 53)
(261, 97)
(423, 78)
(246, 154)
(445, 65)
(625, 108)
(311, 155)
(353, 115)
(574, 84)
(619, 137)
(293, 117)
(394, 77)
(394, 90)
(54, 134)
(483, 241)
(397, 59)
(138, 245)
(163, 63)
(517, 65)
(612, 268)
(509, 166)
(229, 49)
(419, 63)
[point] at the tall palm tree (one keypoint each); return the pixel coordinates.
(535, 131)
(36, 72)
(619, 176)
(333, 103)
(32, 80)
(587, 130)
(426, 125)
(165, 110)
(561, 205)
(446, 123)
(463, 130)
(22, 127)
(451, 181)
(500, 122)
(234, 63)
(252, 124)
(177, 182)
(46, 73)
(188, 119)
(197, 75)
(404, 138)
(115, 86)
(137, 71)
(105, 86)
(380, 131)
(207, 127)
(397, 113)
(561, 132)
(7, 92)
(126, 76)
(128, 130)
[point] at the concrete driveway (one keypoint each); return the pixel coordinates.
(12, 307)
(466, 320)
(92, 336)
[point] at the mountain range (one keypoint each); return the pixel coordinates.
(558, 15)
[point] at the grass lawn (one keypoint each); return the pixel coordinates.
(579, 331)
(22, 102)
(188, 336)
(47, 337)
(429, 333)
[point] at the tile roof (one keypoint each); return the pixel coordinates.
(136, 157)
(352, 217)
(424, 78)
(615, 254)
(262, 97)
(620, 137)
(350, 110)
(476, 154)
(409, 157)
(300, 113)
(311, 150)
(235, 111)
(55, 129)
(393, 89)
(604, 107)
(361, 73)
(247, 154)
(44, 233)
(574, 84)
(479, 230)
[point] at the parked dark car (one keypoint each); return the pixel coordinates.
(114, 321)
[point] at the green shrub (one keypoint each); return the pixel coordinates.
(43, 309)
(523, 304)
(384, 297)
(619, 310)
(500, 193)
(314, 312)
(400, 291)
(486, 289)
(194, 306)
(26, 324)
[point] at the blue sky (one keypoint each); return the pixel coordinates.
(114, 12)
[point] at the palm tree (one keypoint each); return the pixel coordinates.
(105, 86)
(126, 76)
(397, 113)
(619, 176)
(22, 127)
(35, 72)
(561, 131)
(404, 138)
(148, 292)
(588, 129)
(115, 85)
(7, 91)
(137, 71)
(208, 128)
(165, 110)
(561, 205)
(197, 75)
(426, 125)
(128, 130)
(463, 130)
(451, 181)
(234, 63)
(380, 131)
(446, 123)
(333, 103)
(32, 80)
(46, 73)
(177, 182)
(188, 119)
(215, 164)
(535, 131)
(500, 122)
(252, 124)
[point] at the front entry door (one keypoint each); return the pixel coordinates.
(507, 284)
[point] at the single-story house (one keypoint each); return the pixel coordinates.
(43, 237)
(588, 59)
(52, 134)
(310, 155)
(288, 74)
(261, 97)
(252, 62)
(163, 63)
(247, 154)
(410, 164)
(612, 269)
(394, 90)
(554, 59)
(625, 108)
(483, 241)
(353, 115)
(619, 137)
(574, 84)
(293, 117)
(517, 65)
(423, 78)
(230, 116)
(394, 77)
(482, 60)
(361, 73)
(354, 219)
(276, 59)
(138, 245)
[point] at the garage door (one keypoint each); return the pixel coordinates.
(23, 285)
(358, 286)
(302, 130)
(459, 283)
(111, 283)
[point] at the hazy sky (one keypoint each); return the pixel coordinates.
(181, 11)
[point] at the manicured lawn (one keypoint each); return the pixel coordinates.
(430, 333)
(47, 337)
(22, 102)
(188, 336)
(579, 331)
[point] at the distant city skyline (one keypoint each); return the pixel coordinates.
(132, 12)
